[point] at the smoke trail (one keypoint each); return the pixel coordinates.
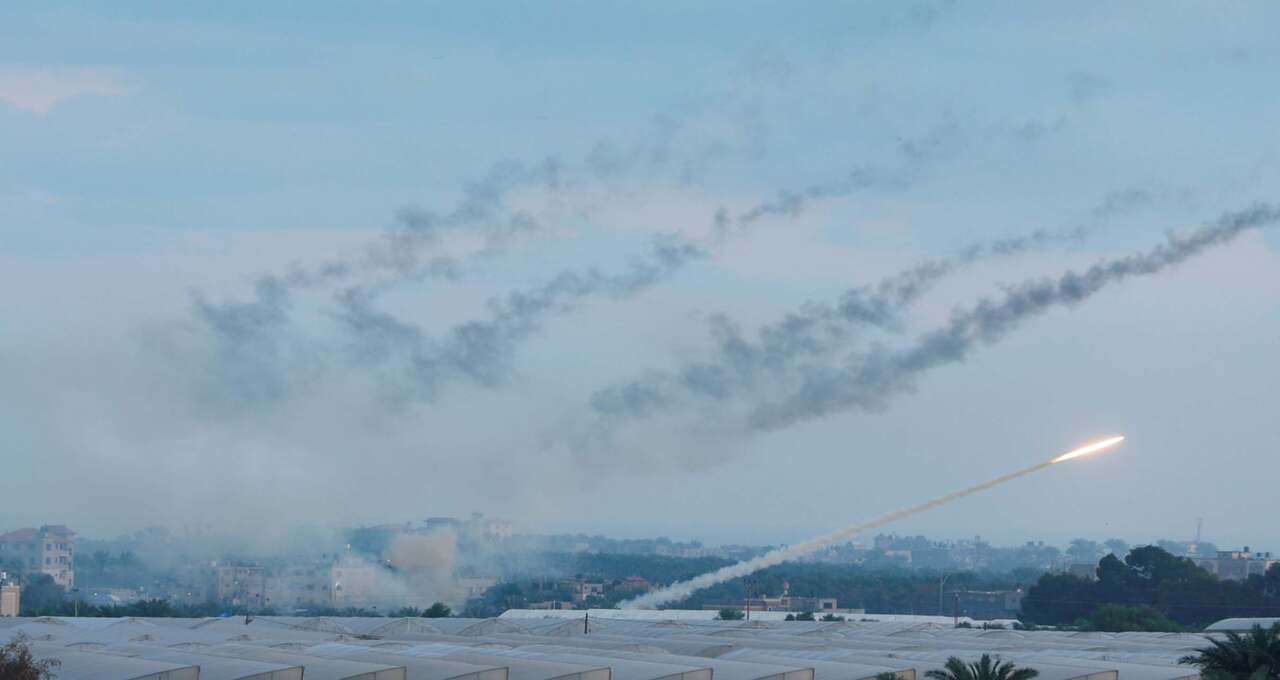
(247, 351)
(869, 383)
(248, 334)
(813, 331)
(480, 350)
(679, 591)
(791, 204)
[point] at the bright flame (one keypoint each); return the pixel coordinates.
(1089, 448)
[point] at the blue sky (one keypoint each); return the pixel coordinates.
(151, 153)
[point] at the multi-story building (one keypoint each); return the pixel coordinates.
(476, 528)
(353, 581)
(240, 585)
(300, 586)
(338, 581)
(1237, 565)
(581, 590)
(47, 550)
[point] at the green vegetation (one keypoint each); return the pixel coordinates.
(18, 663)
(1172, 586)
(1252, 656)
(438, 610)
(154, 608)
(985, 668)
(1126, 618)
(731, 615)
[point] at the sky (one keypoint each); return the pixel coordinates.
(732, 271)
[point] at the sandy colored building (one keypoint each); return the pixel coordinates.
(10, 600)
(47, 550)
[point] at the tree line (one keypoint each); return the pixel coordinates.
(1152, 590)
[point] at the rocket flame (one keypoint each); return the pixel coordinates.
(1089, 448)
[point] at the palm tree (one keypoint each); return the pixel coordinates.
(985, 668)
(101, 559)
(1253, 656)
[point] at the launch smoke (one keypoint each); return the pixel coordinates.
(684, 589)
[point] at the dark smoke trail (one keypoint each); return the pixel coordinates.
(480, 351)
(872, 381)
(814, 331)
(247, 348)
(791, 204)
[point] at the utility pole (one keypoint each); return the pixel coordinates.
(586, 622)
(941, 583)
(955, 611)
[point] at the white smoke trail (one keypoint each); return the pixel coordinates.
(679, 591)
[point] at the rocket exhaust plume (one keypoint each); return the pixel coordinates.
(1089, 448)
(679, 591)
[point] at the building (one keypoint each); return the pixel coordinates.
(987, 604)
(477, 528)
(353, 579)
(1237, 565)
(786, 603)
(47, 550)
(581, 590)
(552, 605)
(636, 583)
(341, 581)
(300, 586)
(240, 585)
(10, 599)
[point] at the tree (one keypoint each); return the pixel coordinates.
(438, 610)
(18, 663)
(1059, 598)
(985, 668)
(1124, 618)
(805, 616)
(42, 594)
(100, 560)
(731, 615)
(1252, 656)
(1116, 546)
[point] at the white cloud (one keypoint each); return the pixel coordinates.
(40, 88)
